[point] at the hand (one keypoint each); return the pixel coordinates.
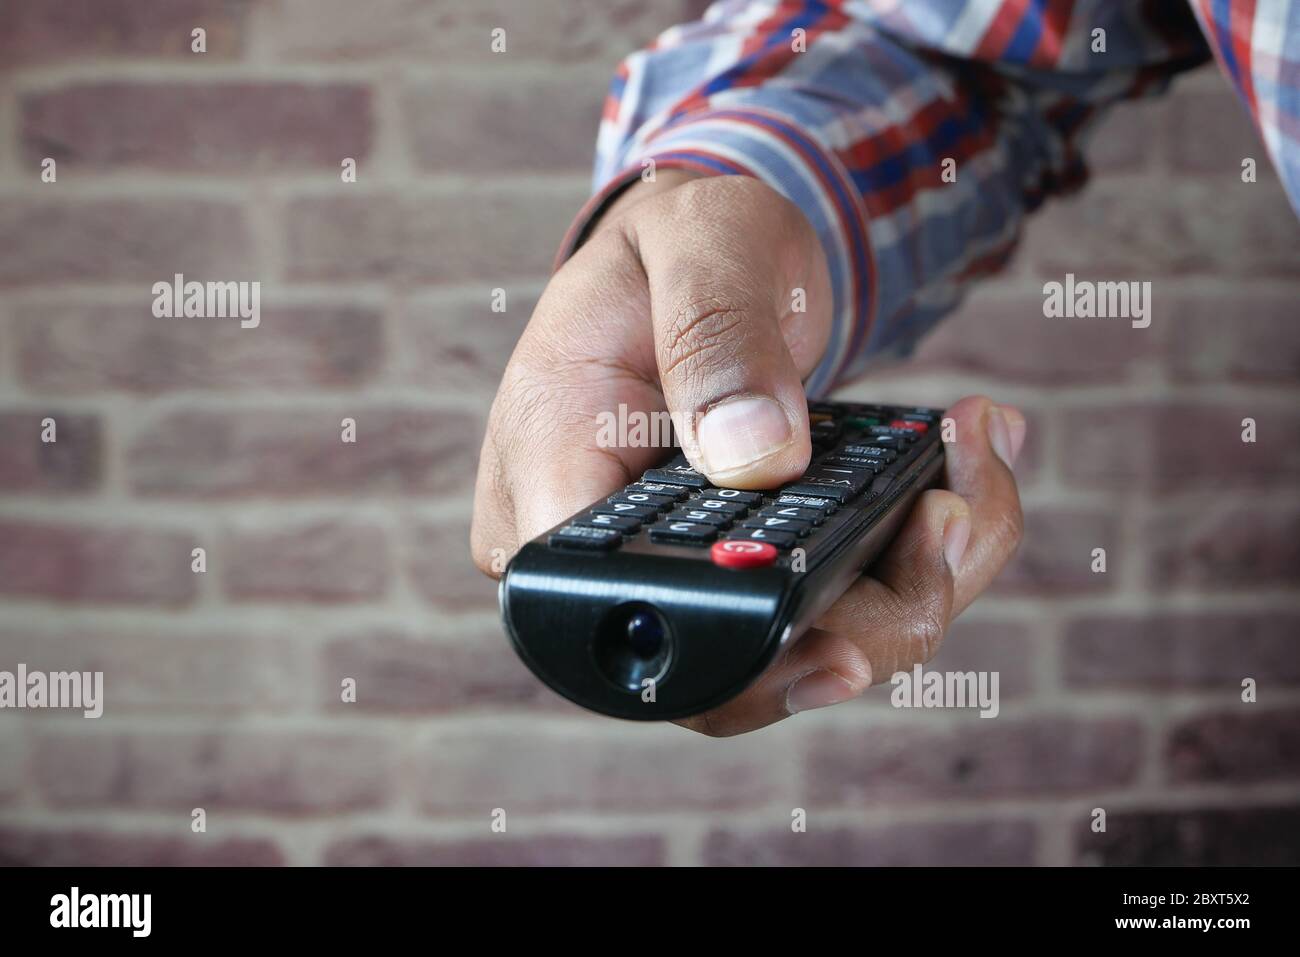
(681, 301)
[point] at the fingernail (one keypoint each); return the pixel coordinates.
(956, 536)
(1000, 436)
(741, 431)
(817, 689)
(1016, 426)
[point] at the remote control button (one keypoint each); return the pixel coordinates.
(619, 523)
(643, 498)
(921, 415)
(832, 481)
(825, 433)
(677, 472)
(642, 513)
(779, 523)
(677, 492)
(868, 411)
(721, 506)
(862, 422)
(739, 496)
(856, 462)
(891, 442)
(689, 533)
(870, 452)
(776, 539)
(592, 539)
(918, 427)
(688, 514)
(736, 554)
(814, 516)
(886, 431)
(824, 505)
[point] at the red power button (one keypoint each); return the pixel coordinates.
(742, 554)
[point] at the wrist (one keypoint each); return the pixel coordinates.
(638, 192)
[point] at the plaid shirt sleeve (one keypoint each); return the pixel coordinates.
(1257, 42)
(862, 111)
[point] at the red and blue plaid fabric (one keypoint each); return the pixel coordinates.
(851, 107)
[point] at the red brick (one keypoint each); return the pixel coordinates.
(542, 120)
(294, 453)
(1242, 335)
(451, 32)
(34, 31)
(1181, 446)
(282, 771)
(146, 240)
(400, 673)
(154, 670)
(1183, 650)
(51, 847)
(463, 340)
(1225, 545)
(1055, 555)
(86, 563)
(1122, 230)
(61, 349)
(977, 758)
(325, 561)
(442, 569)
(1209, 131)
(71, 463)
(948, 843)
(198, 126)
(1005, 335)
(1006, 647)
(602, 766)
(492, 234)
(1194, 837)
(502, 850)
(1246, 746)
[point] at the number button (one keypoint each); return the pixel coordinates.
(776, 539)
(739, 496)
(699, 515)
(620, 523)
(642, 513)
(687, 533)
(813, 516)
(779, 524)
(642, 498)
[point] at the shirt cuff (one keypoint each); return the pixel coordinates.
(759, 143)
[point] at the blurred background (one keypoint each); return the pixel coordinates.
(326, 561)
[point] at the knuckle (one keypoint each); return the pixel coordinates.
(701, 332)
(924, 632)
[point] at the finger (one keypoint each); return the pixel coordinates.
(880, 626)
(731, 343)
(986, 438)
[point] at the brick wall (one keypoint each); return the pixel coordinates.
(1120, 691)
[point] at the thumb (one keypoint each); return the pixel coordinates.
(729, 262)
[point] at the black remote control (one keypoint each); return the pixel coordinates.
(671, 596)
